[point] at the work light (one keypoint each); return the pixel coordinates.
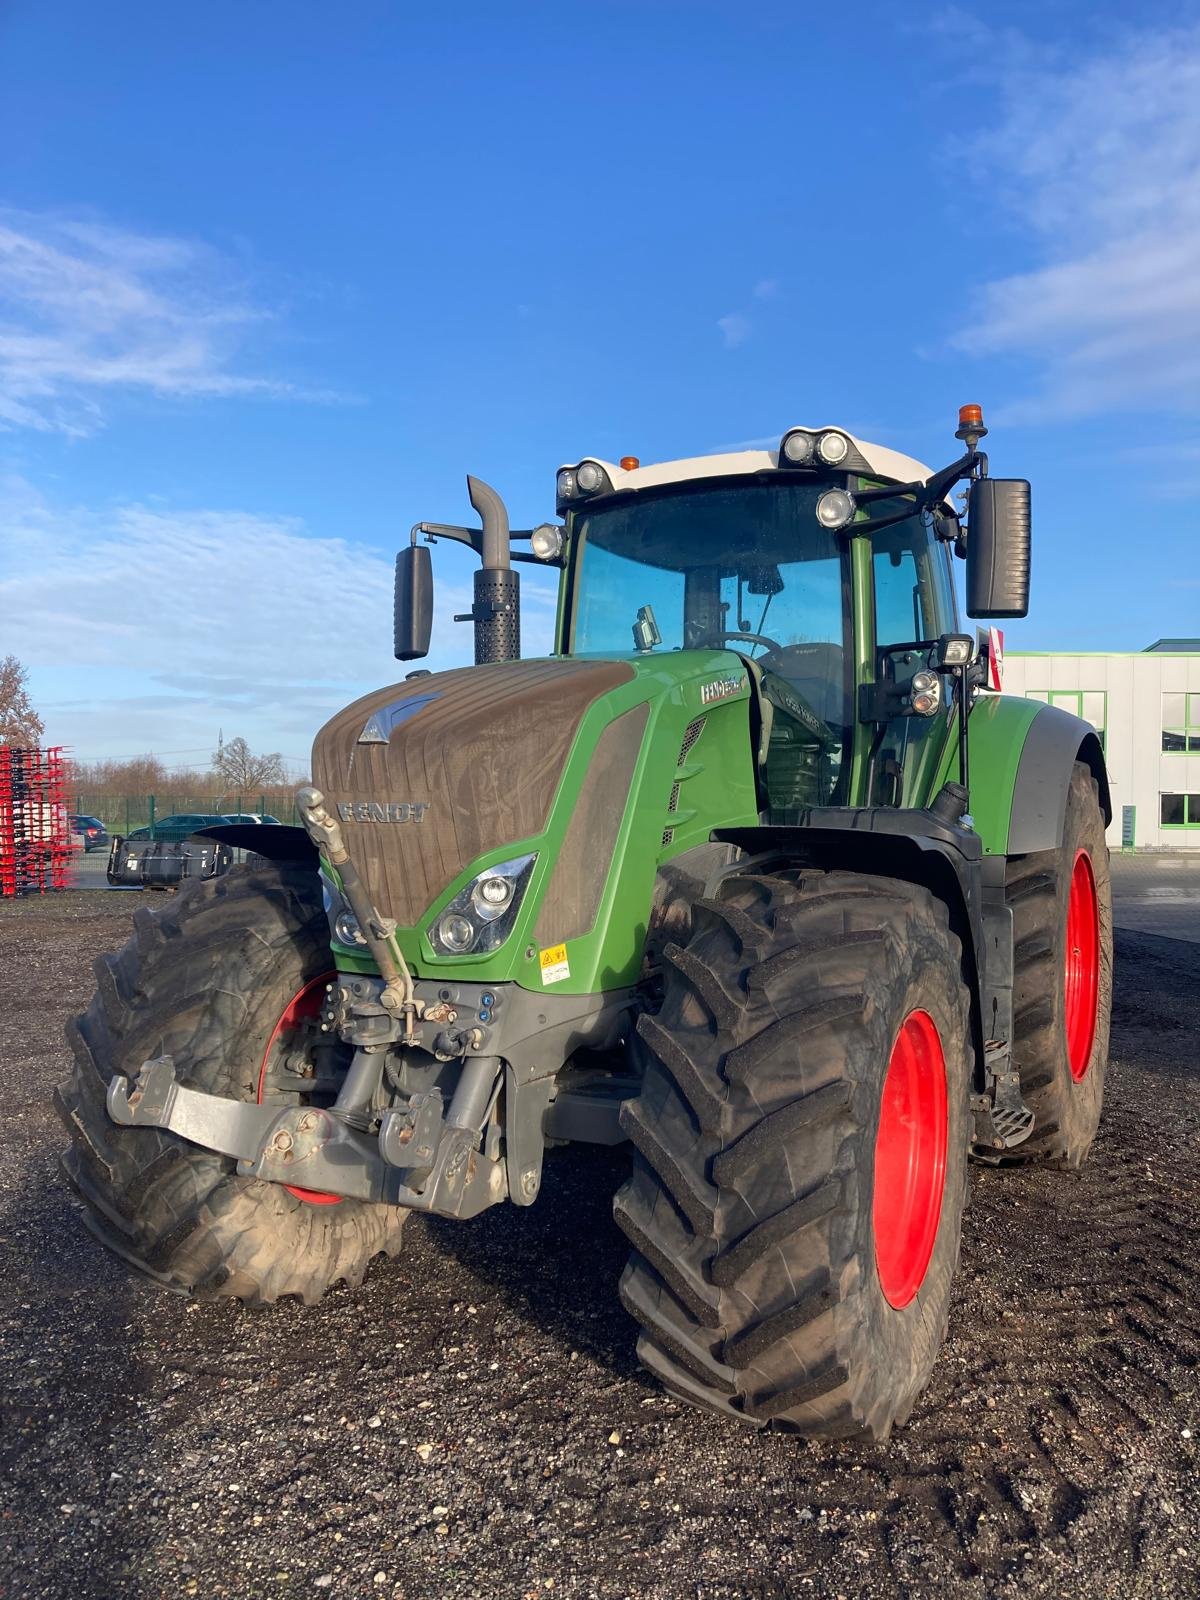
(835, 508)
(546, 541)
(589, 476)
(798, 448)
(833, 448)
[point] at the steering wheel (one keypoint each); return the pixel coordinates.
(755, 638)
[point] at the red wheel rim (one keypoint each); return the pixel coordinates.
(305, 1004)
(1082, 974)
(910, 1159)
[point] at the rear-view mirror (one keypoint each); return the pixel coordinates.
(998, 548)
(414, 602)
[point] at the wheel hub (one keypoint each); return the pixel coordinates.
(1082, 974)
(910, 1159)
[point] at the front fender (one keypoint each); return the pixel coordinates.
(1022, 755)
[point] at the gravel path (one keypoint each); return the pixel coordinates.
(472, 1422)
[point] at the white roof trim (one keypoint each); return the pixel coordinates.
(887, 465)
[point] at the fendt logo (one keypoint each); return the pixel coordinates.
(379, 811)
(721, 689)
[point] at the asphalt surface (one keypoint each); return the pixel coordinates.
(1158, 893)
(472, 1422)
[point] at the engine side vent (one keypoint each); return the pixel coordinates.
(694, 730)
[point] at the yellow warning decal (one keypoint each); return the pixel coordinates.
(554, 964)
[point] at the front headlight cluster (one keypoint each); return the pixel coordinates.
(481, 916)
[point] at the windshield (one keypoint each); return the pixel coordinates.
(748, 568)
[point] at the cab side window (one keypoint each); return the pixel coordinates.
(914, 597)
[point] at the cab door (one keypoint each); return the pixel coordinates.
(913, 603)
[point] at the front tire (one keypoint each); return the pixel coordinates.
(1061, 903)
(801, 1140)
(220, 979)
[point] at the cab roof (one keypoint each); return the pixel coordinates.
(887, 466)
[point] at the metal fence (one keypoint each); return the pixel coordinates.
(121, 814)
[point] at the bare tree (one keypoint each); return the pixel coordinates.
(240, 771)
(19, 722)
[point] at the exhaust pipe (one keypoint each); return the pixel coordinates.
(497, 609)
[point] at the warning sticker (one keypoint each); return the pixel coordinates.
(554, 963)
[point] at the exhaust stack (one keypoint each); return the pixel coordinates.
(497, 609)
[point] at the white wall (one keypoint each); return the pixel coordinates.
(1139, 770)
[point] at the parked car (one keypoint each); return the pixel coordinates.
(179, 825)
(252, 816)
(95, 834)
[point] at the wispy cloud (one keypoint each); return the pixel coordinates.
(88, 310)
(1099, 156)
(148, 628)
(735, 329)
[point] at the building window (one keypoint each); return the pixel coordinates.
(1181, 723)
(1089, 704)
(1180, 810)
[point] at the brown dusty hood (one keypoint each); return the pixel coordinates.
(428, 774)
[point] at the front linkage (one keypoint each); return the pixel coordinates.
(446, 1149)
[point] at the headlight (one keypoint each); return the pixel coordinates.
(832, 448)
(346, 929)
(546, 542)
(491, 895)
(589, 476)
(798, 449)
(456, 933)
(567, 487)
(343, 924)
(481, 916)
(835, 509)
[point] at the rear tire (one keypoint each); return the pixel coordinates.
(208, 979)
(779, 1274)
(1061, 902)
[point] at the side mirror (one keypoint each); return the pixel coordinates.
(414, 602)
(998, 548)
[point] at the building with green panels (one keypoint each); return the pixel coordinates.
(1145, 705)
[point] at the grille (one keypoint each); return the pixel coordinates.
(694, 730)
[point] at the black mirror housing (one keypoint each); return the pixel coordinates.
(998, 547)
(413, 616)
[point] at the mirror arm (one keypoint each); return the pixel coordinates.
(472, 537)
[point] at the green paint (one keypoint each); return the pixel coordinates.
(998, 727)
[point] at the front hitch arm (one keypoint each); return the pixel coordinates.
(307, 1146)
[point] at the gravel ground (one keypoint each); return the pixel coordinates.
(472, 1421)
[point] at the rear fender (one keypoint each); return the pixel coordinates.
(1022, 757)
(1055, 742)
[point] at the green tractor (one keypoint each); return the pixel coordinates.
(754, 872)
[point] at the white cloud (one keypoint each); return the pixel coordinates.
(148, 628)
(735, 329)
(88, 310)
(1099, 156)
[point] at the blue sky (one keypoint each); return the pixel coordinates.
(273, 277)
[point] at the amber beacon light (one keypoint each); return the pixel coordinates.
(970, 425)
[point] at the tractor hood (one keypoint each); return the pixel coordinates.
(429, 774)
